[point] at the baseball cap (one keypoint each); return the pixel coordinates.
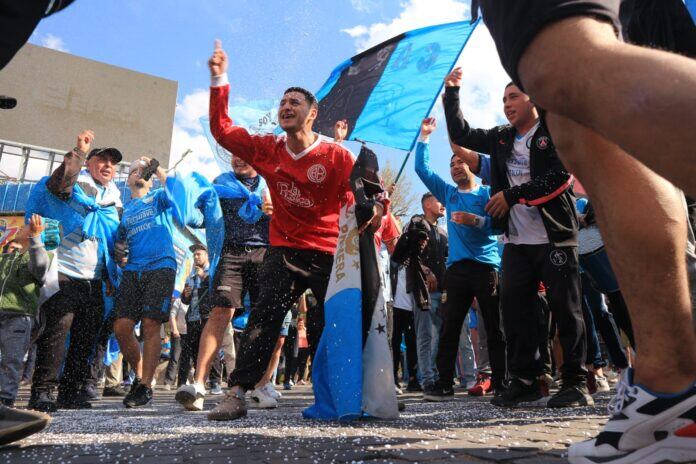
(115, 155)
(197, 246)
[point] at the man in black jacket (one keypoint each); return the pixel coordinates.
(532, 201)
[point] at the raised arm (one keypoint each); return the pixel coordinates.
(64, 178)
(460, 132)
(236, 139)
(432, 181)
(38, 258)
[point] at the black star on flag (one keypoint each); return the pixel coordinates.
(380, 328)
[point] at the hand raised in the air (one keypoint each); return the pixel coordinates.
(428, 126)
(218, 61)
(454, 79)
(340, 130)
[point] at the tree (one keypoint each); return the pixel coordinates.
(404, 202)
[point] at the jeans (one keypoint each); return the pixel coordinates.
(15, 341)
(427, 325)
(466, 361)
(173, 364)
(404, 329)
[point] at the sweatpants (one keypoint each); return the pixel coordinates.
(524, 266)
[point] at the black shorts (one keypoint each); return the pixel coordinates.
(514, 23)
(145, 294)
(236, 273)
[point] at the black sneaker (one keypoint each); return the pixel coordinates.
(439, 394)
(114, 392)
(90, 392)
(517, 393)
(413, 386)
(573, 396)
(141, 396)
(43, 401)
(73, 402)
(7, 402)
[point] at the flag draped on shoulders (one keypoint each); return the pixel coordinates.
(195, 203)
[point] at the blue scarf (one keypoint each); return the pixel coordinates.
(228, 186)
(99, 223)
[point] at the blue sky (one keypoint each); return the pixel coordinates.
(272, 45)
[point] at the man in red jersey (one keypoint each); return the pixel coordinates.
(308, 179)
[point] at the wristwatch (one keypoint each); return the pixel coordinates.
(477, 221)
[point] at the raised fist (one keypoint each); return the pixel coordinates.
(84, 140)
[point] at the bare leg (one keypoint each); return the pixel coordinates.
(124, 329)
(641, 99)
(152, 348)
(211, 339)
(644, 229)
(272, 364)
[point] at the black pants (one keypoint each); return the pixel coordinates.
(173, 364)
(190, 342)
(290, 350)
(546, 334)
(77, 309)
(404, 327)
(96, 366)
(286, 273)
(524, 266)
(618, 309)
(464, 281)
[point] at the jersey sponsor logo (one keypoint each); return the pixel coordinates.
(292, 195)
(558, 257)
(543, 142)
(316, 173)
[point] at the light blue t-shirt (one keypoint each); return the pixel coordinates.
(465, 242)
(147, 226)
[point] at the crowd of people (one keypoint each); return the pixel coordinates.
(503, 281)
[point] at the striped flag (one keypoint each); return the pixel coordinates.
(386, 91)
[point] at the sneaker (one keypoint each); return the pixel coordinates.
(429, 387)
(117, 391)
(271, 391)
(9, 402)
(439, 394)
(141, 396)
(572, 396)
(262, 399)
(90, 392)
(18, 424)
(233, 406)
(287, 386)
(481, 387)
(591, 382)
(413, 386)
(644, 427)
(72, 400)
(518, 393)
(43, 401)
(398, 389)
(602, 384)
(215, 390)
(167, 387)
(191, 396)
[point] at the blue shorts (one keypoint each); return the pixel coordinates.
(145, 294)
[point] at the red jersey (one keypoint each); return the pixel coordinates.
(307, 189)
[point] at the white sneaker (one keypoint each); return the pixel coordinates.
(191, 396)
(261, 399)
(644, 427)
(271, 391)
(398, 390)
(602, 384)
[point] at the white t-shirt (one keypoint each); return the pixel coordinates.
(403, 300)
(525, 226)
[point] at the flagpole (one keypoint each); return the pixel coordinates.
(402, 167)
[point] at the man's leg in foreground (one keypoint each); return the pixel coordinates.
(641, 99)
(124, 328)
(261, 334)
(646, 246)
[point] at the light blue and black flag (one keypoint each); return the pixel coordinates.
(386, 91)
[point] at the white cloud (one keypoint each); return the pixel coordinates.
(484, 78)
(415, 14)
(192, 107)
(54, 42)
(363, 6)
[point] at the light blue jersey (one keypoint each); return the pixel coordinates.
(465, 242)
(147, 227)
